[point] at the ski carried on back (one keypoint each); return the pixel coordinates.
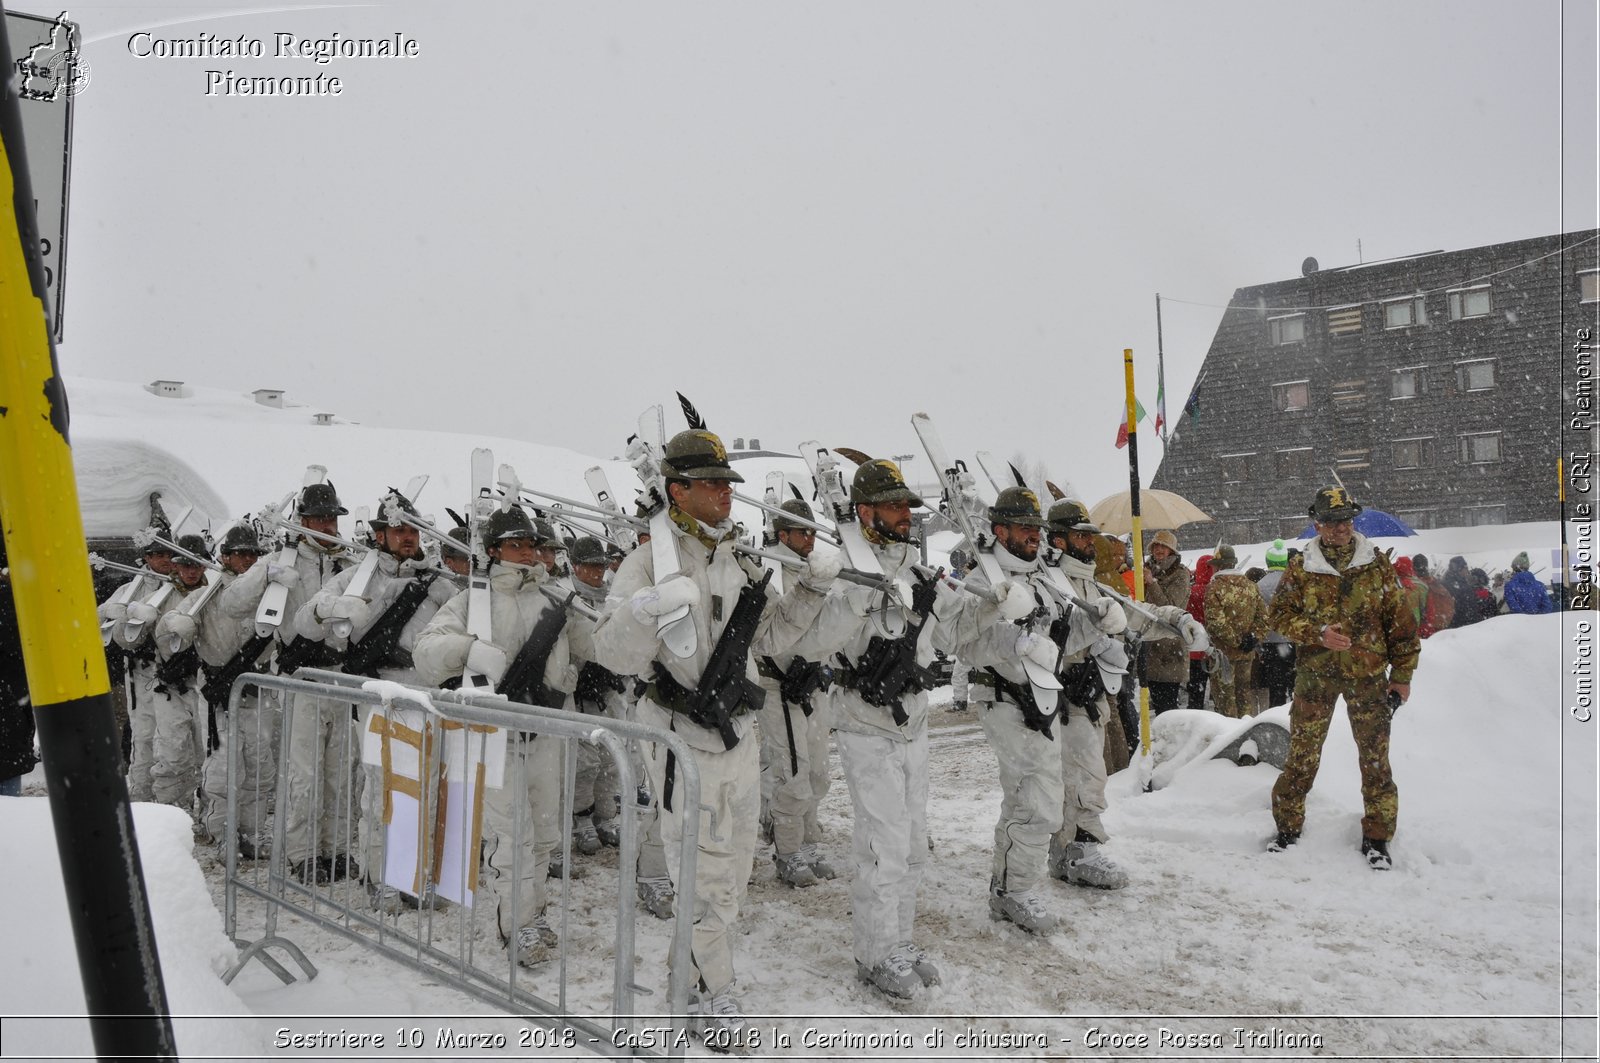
(828, 475)
(645, 449)
(479, 624)
(600, 488)
(969, 513)
(269, 611)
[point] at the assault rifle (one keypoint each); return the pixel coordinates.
(724, 685)
(174, 674)
(380, 646)
(219, 680)
(303, 652)
(889, 666)
(524, 679)
(799, 681)
(593, 682)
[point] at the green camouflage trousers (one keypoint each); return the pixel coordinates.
(1236, 697)
(1314, 699)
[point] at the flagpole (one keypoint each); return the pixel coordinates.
(1161, 377)
(1145, 761)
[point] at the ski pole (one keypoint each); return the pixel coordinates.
(290, 525)
(609, 516)
(849, 575)
(181, 552)
(821, 529)
(96, 561)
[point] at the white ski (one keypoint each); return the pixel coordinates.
(484, 502)
(269, 611)
(600, 488)
(968, 511)
(675, 629)
(340, 627)
(133, 630)
(832, 493)
(195, 602)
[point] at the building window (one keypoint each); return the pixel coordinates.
(1419, 519)
(1344, 319)
(1236, 467)
(1291, 395)
(1288, 329)
(1413, 453)
(1469, 302)
(1294, 464)
(1474, 516)
(1589, 286)
(1480, 448)
(1476, 375)
(1403, 313)
(1408, 383)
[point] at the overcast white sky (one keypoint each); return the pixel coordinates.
(814, 219)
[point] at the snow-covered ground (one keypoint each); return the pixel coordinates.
(1480, 942)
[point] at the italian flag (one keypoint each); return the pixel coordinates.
(1122, 429)
(1161, 405)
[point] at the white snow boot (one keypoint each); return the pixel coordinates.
(585, 838)
(656, 895)
(719, 1021)
(793, 869)
(1025, 908)
(1083, 863)
(535, 943)
(895, 974)
(1376, 850)
(813, 858)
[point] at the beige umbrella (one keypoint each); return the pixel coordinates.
(1157, 509)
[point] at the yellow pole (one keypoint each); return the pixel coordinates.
(1137, 539)
(61, 648)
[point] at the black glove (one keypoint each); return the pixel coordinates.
(1247, 643)
(923, 593)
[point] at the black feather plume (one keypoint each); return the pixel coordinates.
(796, 491)
(455, 517)
(691, 414)
(1018, 474)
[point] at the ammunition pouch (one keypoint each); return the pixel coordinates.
(1020, 695)
(712, 709)
(796, 685)
(594, 681)
(177, 673)
(885, 673)
(1082, 685)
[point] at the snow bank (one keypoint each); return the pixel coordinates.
(43, 991)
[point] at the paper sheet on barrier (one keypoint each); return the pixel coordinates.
(474, 759)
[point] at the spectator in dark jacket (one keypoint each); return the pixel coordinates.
(1458, 581)
(1524, 592)
(16, 714)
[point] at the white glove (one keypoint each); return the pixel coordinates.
(652, 602)
(1194, 634)
(1106, 613)
(181, 626)
(487, 659)
(1014, 599)
(144, 613)
(822, 569)
(1039, 649)
(946, 600)
(113, 612)
(287, 575)
(349, 607)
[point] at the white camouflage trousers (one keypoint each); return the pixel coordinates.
(324, 749)
(1030, 795)
(794, 768)
(1083, 772)
(888, 780)
(520, 831)
(730, 786)
(254, 756)
(140, 687)
(176, 752)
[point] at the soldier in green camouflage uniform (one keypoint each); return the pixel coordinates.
(1342, 606)
(1236, 619)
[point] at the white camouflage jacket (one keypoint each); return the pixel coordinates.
(391, 577)
(516, 604)
(629, 646)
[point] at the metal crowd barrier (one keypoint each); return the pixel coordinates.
(420, 937)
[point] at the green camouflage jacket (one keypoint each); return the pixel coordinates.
(1234, 609)
(1366, 597)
